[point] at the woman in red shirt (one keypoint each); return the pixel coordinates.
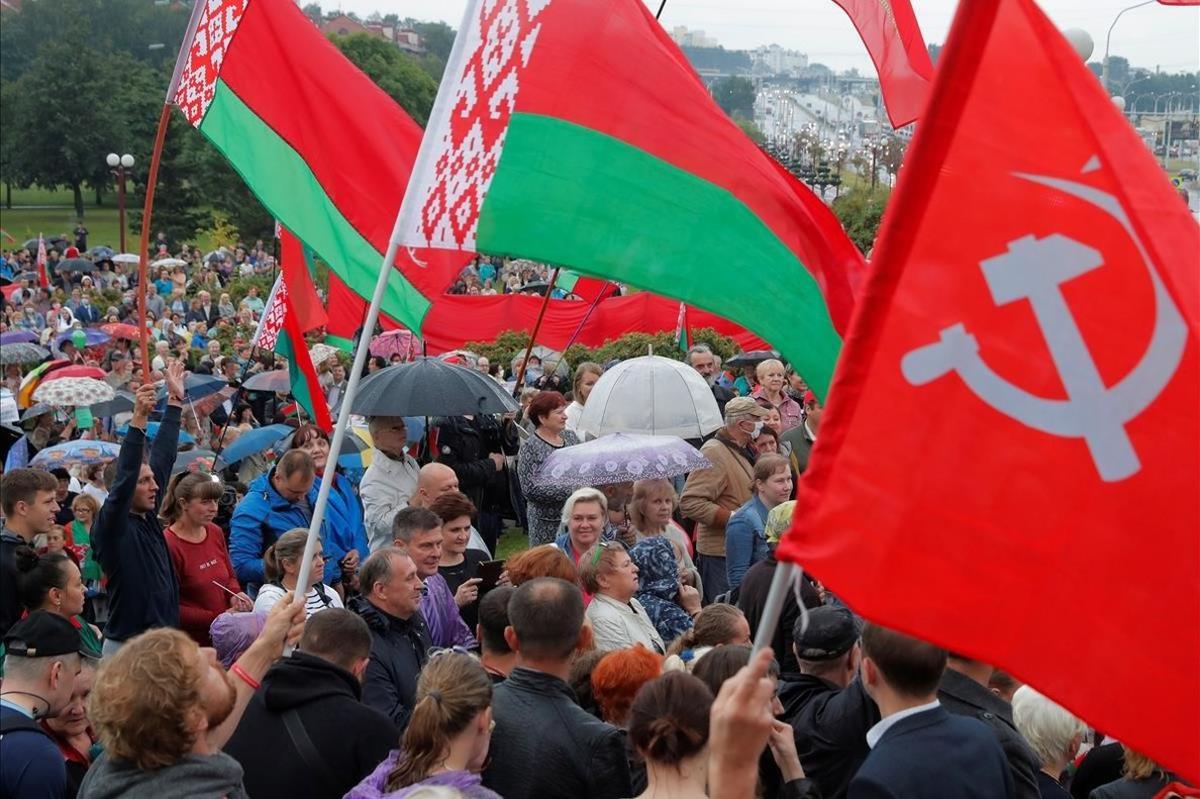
(207, 585)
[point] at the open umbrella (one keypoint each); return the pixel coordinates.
(94, 336)
(102, 253)
(73, 453)
(18, 336)
(73, 392)
(75, 370)
(122, 402)
(34, 378)
(74, 265)
(654, 396)
(277, 381)
(22, 352)
(127, 258)
(52, 243)
(194, 460)
(430, 387)
(752, 358)
(21, 276)
(197, 387)
(168, 262)
(121, 330)
(620, 458)
(535, 287)
(206, 405)
(552, 359)
(260, 439)
(34, 411)
(319, 353)
(396, 342)
(351, 445)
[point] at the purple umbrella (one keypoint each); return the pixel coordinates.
(18, 336)
(94, 337)
(620, 458)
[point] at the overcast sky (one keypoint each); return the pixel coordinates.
(1150, 36)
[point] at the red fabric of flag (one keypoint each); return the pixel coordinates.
(302, 293)
(893, 38)
(43, 278)
(1179, 2)
(1008, 466)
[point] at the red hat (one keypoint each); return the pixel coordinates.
(71, 252)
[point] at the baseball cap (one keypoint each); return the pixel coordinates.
(830, 633)
(745, 406)
(43, 634)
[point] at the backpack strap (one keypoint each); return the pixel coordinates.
(320, 589)
(308, 751)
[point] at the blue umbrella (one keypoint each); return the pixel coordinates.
(196, 387)
(75, 452)
(18, 336)
(152, 431)
(253, 441)
(94, 337)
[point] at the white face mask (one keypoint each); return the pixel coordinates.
(758, 428)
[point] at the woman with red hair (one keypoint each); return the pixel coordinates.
(547, 413)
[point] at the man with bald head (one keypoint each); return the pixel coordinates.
(434, 480)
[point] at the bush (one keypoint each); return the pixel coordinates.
(511, 343)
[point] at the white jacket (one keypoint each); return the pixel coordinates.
(386, 487)
(617, 625)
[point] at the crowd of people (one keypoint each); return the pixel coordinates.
(157, 640)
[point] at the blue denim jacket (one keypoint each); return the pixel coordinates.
(745, 543)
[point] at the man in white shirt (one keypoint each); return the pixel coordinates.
(389, 482)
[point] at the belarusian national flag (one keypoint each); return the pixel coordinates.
(1010, 461)
(321, 146)
(298, 267)
(574, 132)
(682, 336)
(279, 331)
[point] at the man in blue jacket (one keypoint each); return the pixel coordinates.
(278, 501)
(128, 538)
(919, 750)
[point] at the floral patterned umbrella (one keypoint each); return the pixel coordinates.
(396, 342)
(22, 352)
(73, 392)
(194, 460)
(620, 458)
(75, 452)
(319, 353)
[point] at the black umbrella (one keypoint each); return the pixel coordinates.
(21, 277)
(751, 358)
(536, 287)
(52, 243)
(430, 387)
(74, 265)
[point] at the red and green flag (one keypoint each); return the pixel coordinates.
(325, 150)
(574, 132)
(279, 331)
(683, 337)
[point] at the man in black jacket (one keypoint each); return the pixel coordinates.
(400, 643)
(29, 504)
(825, 703)
(544, 745)
(128, 538)
(473, 446)
(964, 691)
(306, 730)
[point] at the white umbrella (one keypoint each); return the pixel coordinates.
(651, 395)
(169, 262)
(620, 458)
(127, 258)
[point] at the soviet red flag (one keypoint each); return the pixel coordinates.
(1010, 462)
(891, 35)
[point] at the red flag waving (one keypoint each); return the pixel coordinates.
(893, 38)
(43, 278)
(1009, 464)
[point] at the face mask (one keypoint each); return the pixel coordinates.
(758, 428)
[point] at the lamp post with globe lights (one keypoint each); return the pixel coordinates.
(118, 164)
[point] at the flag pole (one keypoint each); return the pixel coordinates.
(780, 585)
(533, 335)
(408, 206)
(160, 136)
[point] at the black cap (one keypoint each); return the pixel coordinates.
(42, 634)
(831, 632)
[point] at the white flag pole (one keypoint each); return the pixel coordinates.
(781, 583)
(408, 207)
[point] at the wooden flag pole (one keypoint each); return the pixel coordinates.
(144, 253)
(533, 335)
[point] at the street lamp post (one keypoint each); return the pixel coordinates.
(1108, 39)
(119, 163)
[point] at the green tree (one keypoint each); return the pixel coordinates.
(734, 95)
(7, 124)
(861, 212)
(313, 12)
(750, 128)
(393, 71)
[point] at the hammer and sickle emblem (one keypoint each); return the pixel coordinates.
(1035, 269)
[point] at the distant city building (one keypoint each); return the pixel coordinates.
(343, 25)
(771, 59)
(689, 38)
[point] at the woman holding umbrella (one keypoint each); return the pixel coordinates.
(346, 543)
(547, 413)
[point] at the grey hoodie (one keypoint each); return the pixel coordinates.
(195, 776)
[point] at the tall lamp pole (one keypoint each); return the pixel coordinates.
(119, 164)
(1108, 39)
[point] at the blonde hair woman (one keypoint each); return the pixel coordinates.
(650, 513)
(618, 619)
(771, 384)
(586, 375)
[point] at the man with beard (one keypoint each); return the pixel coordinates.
(163, 707)
(703, 361)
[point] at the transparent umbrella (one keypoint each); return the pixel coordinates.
(651, 395)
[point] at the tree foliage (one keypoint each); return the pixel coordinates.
(735, 95)
(511, 343)
(393, 71)
(861, 212)
(750, 128)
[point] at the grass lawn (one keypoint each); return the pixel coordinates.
(512, 542)
(54, 215)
